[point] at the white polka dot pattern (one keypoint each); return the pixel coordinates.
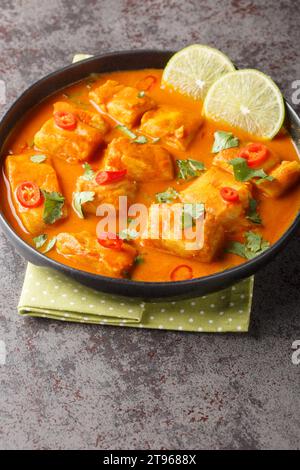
(50, 294)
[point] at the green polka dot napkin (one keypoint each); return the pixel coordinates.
(49, 294)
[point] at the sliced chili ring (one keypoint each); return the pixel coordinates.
(255, 154)
(110, 240)
(29, 194)
(229, 194)
(146, 83)
(65, 120)
(182, 272)
(110, 176)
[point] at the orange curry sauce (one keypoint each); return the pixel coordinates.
(277, 214)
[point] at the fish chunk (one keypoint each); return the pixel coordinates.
(174, 127)
(106, 193)
(285, 175)
(88, 117)
(211, 238)
(20, 168)
(146, 162)
(74, 146)
(206, 189)
(84, 250)
(123, 103)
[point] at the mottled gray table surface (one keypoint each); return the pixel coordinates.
(76, 386)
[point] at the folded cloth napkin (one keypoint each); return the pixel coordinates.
(50, 294)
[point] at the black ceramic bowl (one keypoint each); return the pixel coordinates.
(127, 60)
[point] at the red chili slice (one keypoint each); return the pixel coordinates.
(182, 272)
(108, 176)
(110, 240)
(29, 194)
(255, 154)
(65, 120)
(146, 83)
(229, 194)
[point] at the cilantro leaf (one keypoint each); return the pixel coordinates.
(40, 240)
(191, 212)
(252, 214)
(141, 139)
(254, 245)
(139, 260)
(80, 198)
(128, 234)
(38, 158)
(53, 205)
(242, 172)
(50, 245)
(88, 174)
(126, 131)
(224, 140)
(236, 248)
(167, 196)
(189, 168)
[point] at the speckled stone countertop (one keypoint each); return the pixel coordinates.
(71, 386)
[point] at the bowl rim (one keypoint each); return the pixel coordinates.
(243, 270)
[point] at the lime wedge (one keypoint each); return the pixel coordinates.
(194, 69)
(249, 100)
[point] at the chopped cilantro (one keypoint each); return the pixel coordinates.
(189, 168)
(139, 260)
(191, 212)
(53, 206)
(167, 196)
(224, 140)
(128, 234)
(40, 240)
(252, 214)
(254, 246)
(88, 172)
(242, 172)
(80, 198)
(50, 245)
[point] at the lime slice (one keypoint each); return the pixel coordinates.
(249, 100)
(194, 69)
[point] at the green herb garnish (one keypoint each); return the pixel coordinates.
(254, 246)
(141, 94)
(53, 206)
(191, 212)
(88, 174)
(189, 168)
(128, 234)
(40, 240)
(80, 198)
(252, 214)
(224, 140)
(126, 131)
(139, 260)
(141, 139)
(242, 172)
(167, 196)
(38, 158)
(50, 245)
